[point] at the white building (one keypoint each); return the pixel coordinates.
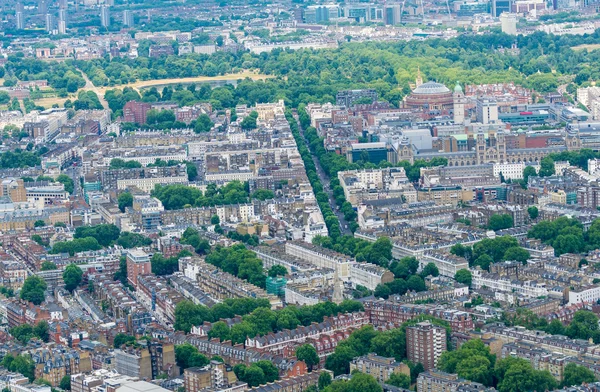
(369, 275)
(447, 264)
(148, 184)
(529, 289)
(509, 23)
(584, 294)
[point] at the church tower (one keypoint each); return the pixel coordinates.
(572, 139)
(459, 104)
(338, 288)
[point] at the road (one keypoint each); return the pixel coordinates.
(90, 86)
(324, 178)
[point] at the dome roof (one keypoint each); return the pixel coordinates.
(458, 88)
(431, 88)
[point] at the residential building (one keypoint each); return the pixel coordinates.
(425, 343)
(379, 367)
(138, 263)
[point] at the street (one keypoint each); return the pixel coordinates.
(324, 178)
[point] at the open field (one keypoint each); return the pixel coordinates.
(586, 46)
(48, 102)
(141, 84)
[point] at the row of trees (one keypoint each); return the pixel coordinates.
(240, 262)
(350, 245)
(406, 277)
(566, 235)
(263, 321)
(583, 326)
(175, 197)
(258, 318)
(18, 159)
(162, 265)
(96, 237)
(25, 332)
(188, 314)
(258, 373)
(488, 251)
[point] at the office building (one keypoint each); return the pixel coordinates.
(501, 6)
(19, 16)
(347, 98)
(425, 343)
(321, 13)
(487, 111)
(127, 18)
(105, 16)
(509, 23)
(49, 22)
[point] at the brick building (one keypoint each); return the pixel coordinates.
(425, 343)
(136, 112)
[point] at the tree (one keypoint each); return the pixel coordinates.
(263, 194)
(533, 212)
(546, 167)
(188, 314)
(249, 122)
(464, 276)
(483, 261)
(517, 254)
(187, 356)
(41, 330)
(416, 283)
(577, 375)
(192, 171)
(308, 354)
(277, 270)
(324, 380)
(214, 220)
(522, 377)
(583, 326)
(382, 291)
(500, 222)
(220, 330)
(39, 223)
(359, 382)
(339, 361)
(33, 289)
(67, 182)
(121, 339)
(48, 266)
(399, 380)
(65, 383)
(203, 124)
(125, 199)
(270, 371)
(527, 172)
(430, 270)
(254, 376)
(72, 277)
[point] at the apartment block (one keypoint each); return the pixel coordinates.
(215, 375)
(379, 367)
(447, 263)
(134, 362)
(425, 343)
(138, 263)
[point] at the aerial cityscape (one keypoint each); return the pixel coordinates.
(299, 195)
